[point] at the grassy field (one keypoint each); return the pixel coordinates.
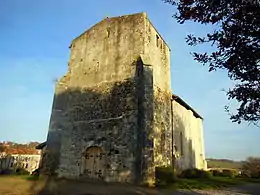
(212, 183)
(24, 185)
(223, 163)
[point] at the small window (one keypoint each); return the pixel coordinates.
(26, 166)
(108, 32)
(157, 40)
(163, 137)
(181, 143)
(12, 164)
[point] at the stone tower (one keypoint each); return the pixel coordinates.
(111, 112)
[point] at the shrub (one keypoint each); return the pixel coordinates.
(255, 175)
(7, 172)
(21, 171)
(216, 173)
(244, 174)
(36, 172)
(228, 173)
(33, 177)
(195, 173)
(164, 176)
(252, 166)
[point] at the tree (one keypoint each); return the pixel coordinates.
(236, 40)
(2, 148)
(252, 165)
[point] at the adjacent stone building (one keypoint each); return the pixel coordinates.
(29, 162)
(114, 117)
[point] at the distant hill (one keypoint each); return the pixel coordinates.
(224, 163)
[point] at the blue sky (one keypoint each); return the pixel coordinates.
(34, 40)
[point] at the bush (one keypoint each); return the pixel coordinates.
(244, 174)
(21, 171)
(216, 173)
(195, 173)
(33, 177)
(252, 166)
(228, 173)
(255, 175)
(164, 176)
(36, 172)
(7, 172)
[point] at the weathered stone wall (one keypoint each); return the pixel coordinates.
(104, 100)
(116, 95)
(103, 116)
(107, 52)
(188, 138)
(157, 55)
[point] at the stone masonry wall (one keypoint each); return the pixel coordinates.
(117, 95)
(104, 116)
(157, 55)
(104, 100)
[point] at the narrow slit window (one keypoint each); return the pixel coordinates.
(181, 143)
(163, 138)
(157, 40)
(108, 32)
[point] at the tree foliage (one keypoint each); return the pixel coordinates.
(16, 148)
(2, 148)
(252, 165)
(237, 41)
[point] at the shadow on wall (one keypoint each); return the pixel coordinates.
(183, 145)
(5, 161)
(114, 116)
(111, 116)
(82, 116)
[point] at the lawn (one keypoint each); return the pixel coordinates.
(27, 185)
(24, 185)
(18, 185)
(212, 183)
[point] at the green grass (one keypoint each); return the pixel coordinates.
(32, 178)
(212, 183)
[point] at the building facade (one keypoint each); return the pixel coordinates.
(29, 162)
(114, 117)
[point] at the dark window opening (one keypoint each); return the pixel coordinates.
(26, 166)
(157, 40)
(181, 143)
(163, 137)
